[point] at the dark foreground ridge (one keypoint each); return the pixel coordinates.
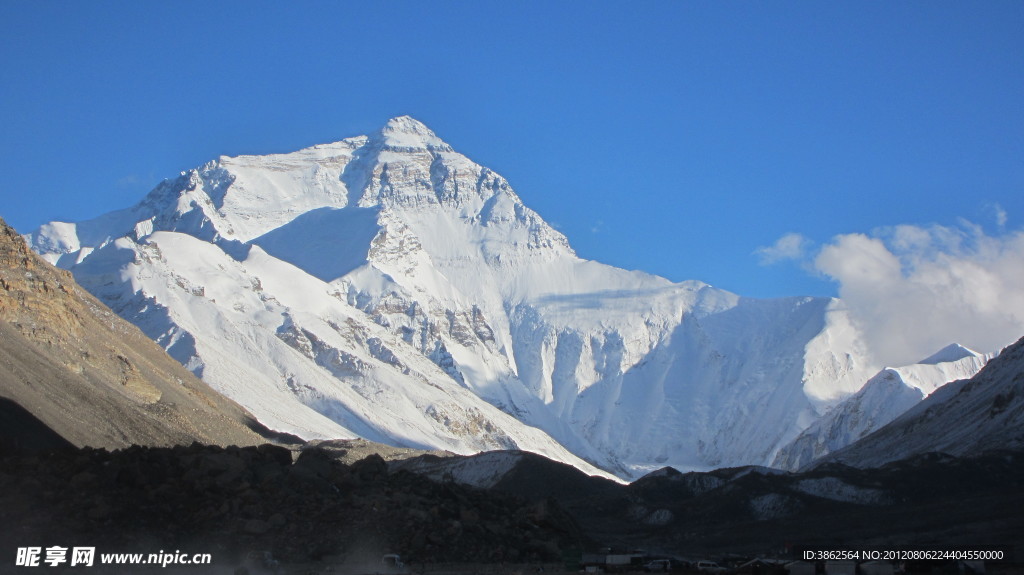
(239, 502)
(232, 502)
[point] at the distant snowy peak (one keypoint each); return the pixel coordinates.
(950, 353)
(883, 398)
(965, 417)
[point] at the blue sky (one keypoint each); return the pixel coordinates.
(680, 138)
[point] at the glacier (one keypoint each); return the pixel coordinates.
(386, 286)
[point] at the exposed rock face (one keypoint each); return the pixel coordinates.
(90, 376)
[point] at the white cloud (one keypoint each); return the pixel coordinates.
(791, 246)
(913, 290)
(1000, 215)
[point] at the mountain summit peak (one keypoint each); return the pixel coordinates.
(408, 133)
(407, 124)
(952, 352)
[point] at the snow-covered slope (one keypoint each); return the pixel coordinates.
(388, 286)
(962, 418)
(883, 398)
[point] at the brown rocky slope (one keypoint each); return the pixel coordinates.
(80, 370)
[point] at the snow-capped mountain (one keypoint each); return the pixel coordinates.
(883, 398)
(965, 417)
(387, 286)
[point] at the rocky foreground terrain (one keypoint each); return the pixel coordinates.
(234, 502)
(306, 507)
